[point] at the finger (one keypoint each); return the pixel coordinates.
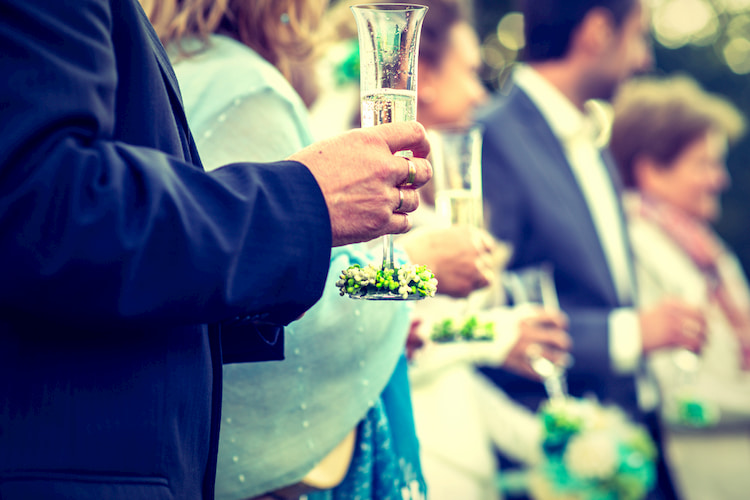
(489, 242)
(533, 350)
(529, 373)
(486, 272)
(407, 200)
(558, 357)
(485, 262)
(693, 345)
(400, 200)
(689, 311)
(558, 340)
(399, 223)
(405, 136)
(400, 171)
(690, 327)
(547, 320)
(411, 172)
(482, 277)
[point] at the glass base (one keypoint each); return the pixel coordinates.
(387, 296)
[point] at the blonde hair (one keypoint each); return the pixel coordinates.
(657, 117)
(283, 32)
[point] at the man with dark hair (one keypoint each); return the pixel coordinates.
(552, 193)
(550, 24)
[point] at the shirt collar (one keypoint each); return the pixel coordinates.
(566, 121)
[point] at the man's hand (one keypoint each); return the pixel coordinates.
(462, 258)
(364, 184)
(542, 331)
(672, 324)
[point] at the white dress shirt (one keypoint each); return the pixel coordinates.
(581, 138)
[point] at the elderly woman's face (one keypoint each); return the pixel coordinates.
(696, 178)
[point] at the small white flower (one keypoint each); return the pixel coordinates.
(591, 455)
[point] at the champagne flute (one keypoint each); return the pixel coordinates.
(456, 157)
(388, 37)
(536, 285)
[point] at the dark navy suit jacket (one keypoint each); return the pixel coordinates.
(535, 204)
(123, 263)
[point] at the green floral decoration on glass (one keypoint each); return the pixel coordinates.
(471, 329)
(406, 281)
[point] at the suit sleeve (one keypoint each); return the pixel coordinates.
(95, 230)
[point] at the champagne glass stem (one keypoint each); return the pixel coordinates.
(555, 387)
(388, 252)
(388, 238)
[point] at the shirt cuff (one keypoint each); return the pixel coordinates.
(625, 347)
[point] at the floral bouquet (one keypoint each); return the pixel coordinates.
(591, 452)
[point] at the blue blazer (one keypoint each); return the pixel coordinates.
(123, 263)
(534, 202)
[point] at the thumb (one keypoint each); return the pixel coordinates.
(405, 136)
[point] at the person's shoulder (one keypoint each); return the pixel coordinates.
(506, 105)
(649, 240)
(225, 73)
(230, 64)
(497, 105)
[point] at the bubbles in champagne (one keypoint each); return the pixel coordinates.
(389, 106)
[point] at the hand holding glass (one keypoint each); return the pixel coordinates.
(535, 285)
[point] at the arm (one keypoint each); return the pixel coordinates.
(101, 231)
(514, 429)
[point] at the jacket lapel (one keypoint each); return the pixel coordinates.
(173, 89)
(546, 151)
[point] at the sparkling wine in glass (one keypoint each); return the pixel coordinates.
(456, 157)
(456, 154)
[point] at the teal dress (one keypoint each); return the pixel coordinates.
(385, 465)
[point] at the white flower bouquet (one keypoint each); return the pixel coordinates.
(592, 452)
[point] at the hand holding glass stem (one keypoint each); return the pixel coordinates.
(536, 285)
